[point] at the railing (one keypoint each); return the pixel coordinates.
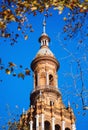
(45, 87)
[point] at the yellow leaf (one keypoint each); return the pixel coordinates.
(7, 71)
(86, 0)
(80, 5)
(33, 8)
(69, 6)
(3, 34)
(85, 8)
(11, 17)
(7, 35)
(34, 2)
(2, 25)
(21, 75)
(19, 28)
(59, 8)
(6, 12)
(11, 64)
(27, 71)
(64, 18)
(3, 7)
(26, 4)
(60, 12)
(47, 5)
(54, 0)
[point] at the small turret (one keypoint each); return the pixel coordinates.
(45, 65)
(44, 39)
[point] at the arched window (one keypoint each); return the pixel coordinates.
(67, 129)
(51, 103)
(57, 127)
(46, 125)
(34, 124)
(51, 80)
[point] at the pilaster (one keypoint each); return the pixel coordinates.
(37, 122)
(53, 123)
(31, 125)
(73, 127)
(42, 121)
(63, 125)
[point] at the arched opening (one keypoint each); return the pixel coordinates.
(34, 124)
(57, 127)
(46, 125)
(51, 103)
(51, 80)
(67, 129)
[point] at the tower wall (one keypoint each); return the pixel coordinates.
(47, 111)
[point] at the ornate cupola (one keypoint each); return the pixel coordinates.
(44, 39)
(47, 111)
(45, 65)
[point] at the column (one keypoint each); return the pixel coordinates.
(34, 81)
(31, 125)
(37, 122)
(63, 125)
(38, 79)
(47, 79)
(56, 81)
(53, 123)
(47, 43)
(42, 121)
(73, 127)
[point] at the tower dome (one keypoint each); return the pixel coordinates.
(44, 43)
(44, 52)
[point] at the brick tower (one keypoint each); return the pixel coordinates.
(47, 111)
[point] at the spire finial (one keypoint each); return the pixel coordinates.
(44, 25)
(69, 103)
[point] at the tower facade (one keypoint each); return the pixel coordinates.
(47, 111)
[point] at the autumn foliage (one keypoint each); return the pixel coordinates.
(14, 10)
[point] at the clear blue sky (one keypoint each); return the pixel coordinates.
(15, 93)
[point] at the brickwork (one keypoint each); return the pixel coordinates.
(47, 111)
